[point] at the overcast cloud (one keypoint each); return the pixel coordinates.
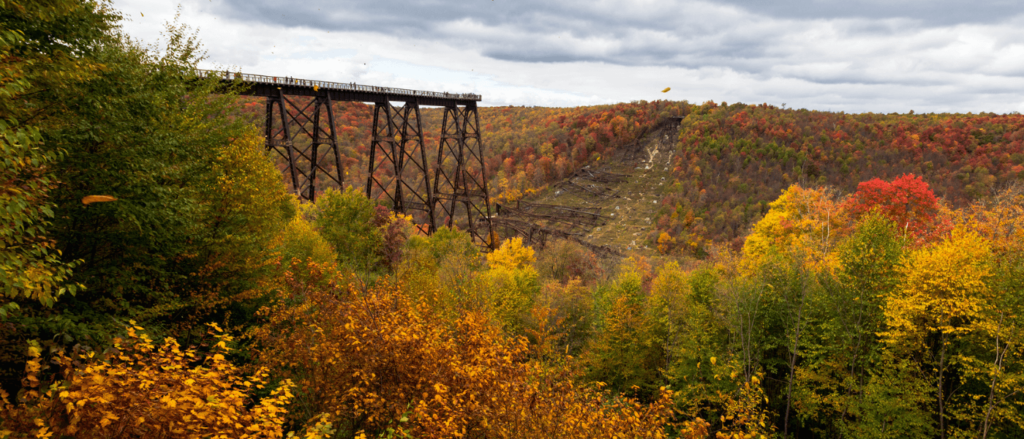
(853, 55)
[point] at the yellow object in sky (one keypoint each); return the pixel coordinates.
(666, 89)
(89, 199)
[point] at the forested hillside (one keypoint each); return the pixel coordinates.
(735, 159)
(817, 275)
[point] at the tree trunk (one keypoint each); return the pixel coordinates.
(942, 399)
(992, 386)
(793, 355)
(792, 370)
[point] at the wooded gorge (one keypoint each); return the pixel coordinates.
(809, 274)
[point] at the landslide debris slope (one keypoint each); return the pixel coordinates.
(623, 190)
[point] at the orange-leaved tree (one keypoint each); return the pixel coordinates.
(373, 360)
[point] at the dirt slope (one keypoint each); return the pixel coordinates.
(625, 190)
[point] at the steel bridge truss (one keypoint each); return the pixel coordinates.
(398, 163)
(306, 138)
(460, 184)
(399, 170)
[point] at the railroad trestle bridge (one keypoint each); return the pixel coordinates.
(451, 192)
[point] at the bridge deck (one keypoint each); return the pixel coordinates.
(263, 85)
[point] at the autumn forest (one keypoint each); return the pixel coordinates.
(786, 273)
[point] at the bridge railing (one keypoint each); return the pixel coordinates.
(350, 86)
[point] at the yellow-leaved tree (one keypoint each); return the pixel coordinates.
(806, 221)
(787, 250)
(512, 283)
(944, 294)
(300, 240)
(992, 368)
(512, 255)
(943, 290)
(248, 207)
(443, 270)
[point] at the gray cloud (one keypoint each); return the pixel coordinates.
(853, 55)
(929, 12)
(749, 36)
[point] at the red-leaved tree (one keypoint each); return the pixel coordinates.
(907, 201)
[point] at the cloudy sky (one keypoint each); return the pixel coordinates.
(839, 55)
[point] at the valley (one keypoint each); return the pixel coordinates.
(661, 269)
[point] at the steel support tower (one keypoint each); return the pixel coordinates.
(305, 136)
(398, 164)
(460, 181)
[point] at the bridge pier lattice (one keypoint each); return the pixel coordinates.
(460, 181)
(306, 138)
(398, 162)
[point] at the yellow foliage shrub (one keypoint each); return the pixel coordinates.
(141, 390)
(511, 284)
(665, 243)
(745, 413)
(511, 295)
(511, 255)
(300, 239)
